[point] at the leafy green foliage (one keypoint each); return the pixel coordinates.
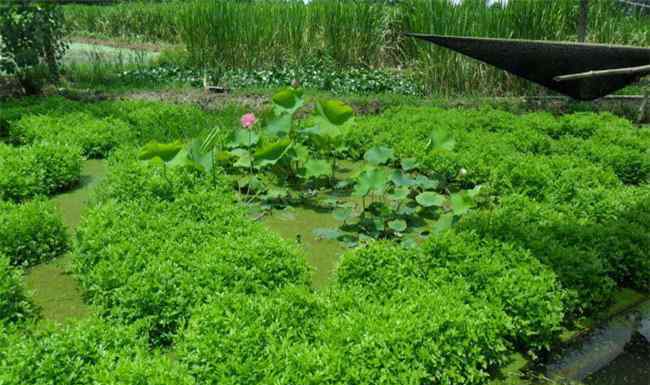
(589, 251)
(335, 111)
(316, 168)
(505, 276)
(96, 137)
(344, 336)
(154, 254)
(400, 199)
(378, 155)
(32, 42)
(429, 199)
(31, 232)
(15, 304)
(39, 169)
(90, 352)
(164, 151)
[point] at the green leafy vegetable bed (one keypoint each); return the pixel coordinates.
(550, 215)
(39, 169)
(15, 305)
(31, 232)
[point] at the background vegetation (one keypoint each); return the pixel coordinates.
(363, 34)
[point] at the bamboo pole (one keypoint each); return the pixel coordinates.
(640, 70)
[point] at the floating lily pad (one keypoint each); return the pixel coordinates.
(409, 164)
(343, 214)
(328, 233)
(398, 225)
(426, 183)
(371, 181)
(316, 168)
(378, 155)
(430, 199)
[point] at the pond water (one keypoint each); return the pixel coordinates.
(618, 353)
(55, 291)
(298, 224)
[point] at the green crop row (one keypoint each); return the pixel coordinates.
(595, 243)
(39, 169)
(91, 352)
(504, 275)
(100, 127)
(162, 241)
(95, 137)
(31, 232)
(345, 336)
(570, 189)
(537, 154)
(15, 304)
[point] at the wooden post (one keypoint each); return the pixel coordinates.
(583, 20)
(643, 111)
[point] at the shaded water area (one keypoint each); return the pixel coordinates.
(298, 224)
(55, 291)
(618, 353)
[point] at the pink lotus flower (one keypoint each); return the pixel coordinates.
(248, 120)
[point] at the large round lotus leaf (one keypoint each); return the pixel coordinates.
(378, 155)
(398, 225)
(286, 98)
(429, 198)
(315, 168)
(164, 151)
(336, 112)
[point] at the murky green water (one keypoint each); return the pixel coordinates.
(298, 224)
(54, 290)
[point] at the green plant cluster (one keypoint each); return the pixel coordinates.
(96, 137)
(318, 76)
(38, 169)
(91, 352)
(592, 250)
(15, 304)
(152, 250)
(32, 42)
(502, 274)
(557, 186)
(345, 336)
(100, 126)
(31, 232)
(543, 156)
(326, 77)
